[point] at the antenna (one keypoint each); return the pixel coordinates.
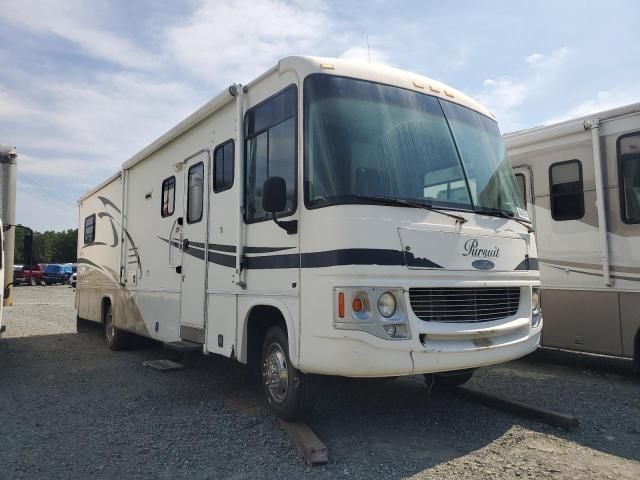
(368, 49)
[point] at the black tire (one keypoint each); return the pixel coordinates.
(32, 282)
(83, 326)
(290, 398)
(453, 379)
(116, 339)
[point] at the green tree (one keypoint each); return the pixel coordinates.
(49, 246)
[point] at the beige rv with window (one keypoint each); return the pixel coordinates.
(581, 182)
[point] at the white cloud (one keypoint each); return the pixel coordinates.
(11, 106)
(235, 41)
(106, 119)
(554, 60)
(604, 100)
(507, 95)
(503, 94)
(364, 54)
(76, 21)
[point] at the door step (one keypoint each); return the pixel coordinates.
(184, 346)
(163, 365)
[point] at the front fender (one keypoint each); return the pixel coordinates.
(287, 306)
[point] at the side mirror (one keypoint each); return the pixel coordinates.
(274, 201)
(274, 195)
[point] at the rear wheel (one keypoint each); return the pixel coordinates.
(32, 282)
(289, 392)
(116, 338)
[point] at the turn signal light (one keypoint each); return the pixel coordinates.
(341, 305)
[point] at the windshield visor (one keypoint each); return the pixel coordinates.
(366, 139)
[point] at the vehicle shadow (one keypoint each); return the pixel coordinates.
(69, 389)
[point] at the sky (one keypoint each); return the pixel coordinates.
(84, 85)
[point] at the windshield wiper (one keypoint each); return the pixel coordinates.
(506, 214)
(403, 202)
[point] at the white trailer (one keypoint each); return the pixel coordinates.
(332, 218)
(581, 180)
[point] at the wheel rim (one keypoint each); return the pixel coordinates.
(275, 373)
(110, 328)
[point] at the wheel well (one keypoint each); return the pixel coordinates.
(106, 302)
(260, 319)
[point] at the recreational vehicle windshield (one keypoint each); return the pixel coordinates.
(390, 138)
(331, 217)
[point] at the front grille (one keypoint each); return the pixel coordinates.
(464, 304)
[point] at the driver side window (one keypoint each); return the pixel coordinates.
(271, 141)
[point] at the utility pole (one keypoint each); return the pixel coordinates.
(8, 172)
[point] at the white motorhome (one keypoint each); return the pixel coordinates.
(581, 181)
(331, 217)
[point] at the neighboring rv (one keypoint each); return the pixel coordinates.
(331, 218)
(581, 180)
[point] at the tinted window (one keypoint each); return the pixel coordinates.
(223, 157)
(270, 151)
(89, 229)
(629, 164)
(271, 112)
(566, 189)
(195, 190)
(168, 196)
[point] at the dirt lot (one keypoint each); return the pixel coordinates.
(70, 408)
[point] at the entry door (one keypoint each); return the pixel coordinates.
(194, 247)
(523, 177)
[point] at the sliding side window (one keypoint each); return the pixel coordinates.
(195, 193)
(89, 229)
(270, 129)
(566, 190)
(223, 166)
(168, 196)
(522, 187)
(629, 168)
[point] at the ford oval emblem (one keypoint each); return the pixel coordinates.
(483, 264)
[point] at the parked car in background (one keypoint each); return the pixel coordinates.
(73, 279)
(55, 273)
(29, 276)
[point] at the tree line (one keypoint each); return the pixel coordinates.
(47, 247)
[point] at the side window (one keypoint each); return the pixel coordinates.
(223, 157)
(168, 197)
(270, 150)
(566, 190)
(195, 192)
(522, 185)
(629, 167)
(90, 229)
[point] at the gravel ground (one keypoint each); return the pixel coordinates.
(71, 408)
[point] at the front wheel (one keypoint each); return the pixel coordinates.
(32, 282)
(289, 392)
(116, 338)
(453, 379)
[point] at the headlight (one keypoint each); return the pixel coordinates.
(535, 300)
(387, 304)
